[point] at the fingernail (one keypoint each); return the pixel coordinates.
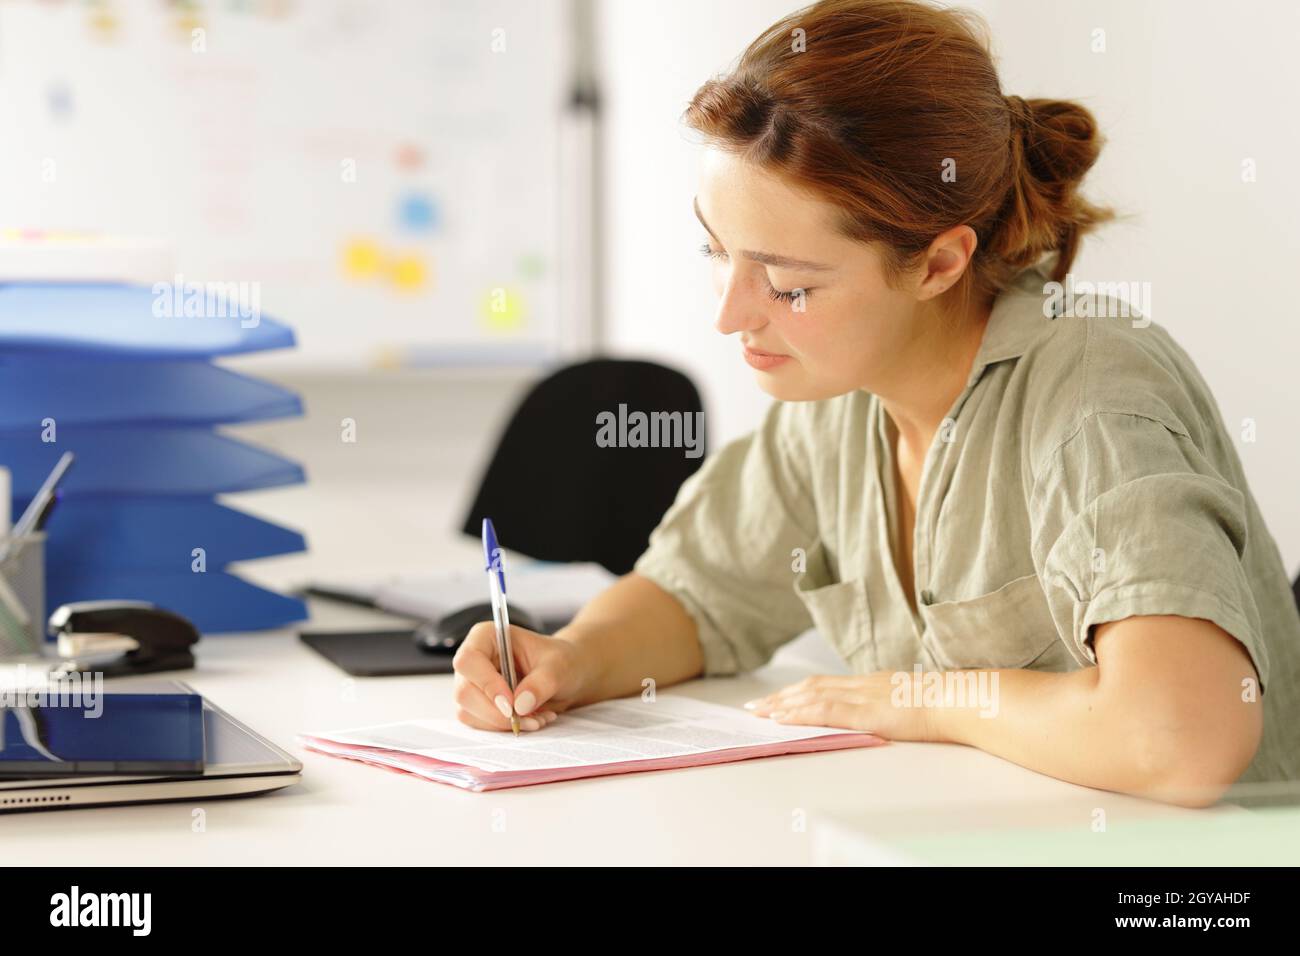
(530, 723)
(503, 705)
(751, 704)
(525, 702)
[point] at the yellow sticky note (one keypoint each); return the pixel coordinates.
(387, 357)
(408, 272)
(362, 258)
(503, 309)
(104, 25)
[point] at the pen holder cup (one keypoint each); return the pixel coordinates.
(22, 596)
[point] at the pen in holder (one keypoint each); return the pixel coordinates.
(22, 596)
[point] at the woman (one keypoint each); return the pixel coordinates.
(960, 471)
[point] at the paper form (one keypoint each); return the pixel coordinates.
(612, 736)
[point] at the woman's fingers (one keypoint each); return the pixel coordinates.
(471, 701)
(538, 686)
(817, 713)
(483, 696)
(475, 714)
(488, 715)
(476, 662)
(469, 719)
(808, 689)
(831, 706)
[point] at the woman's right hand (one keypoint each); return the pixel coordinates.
(552, 675)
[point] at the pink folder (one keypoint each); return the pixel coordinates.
(476, 779)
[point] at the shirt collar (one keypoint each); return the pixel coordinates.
(1016, 320)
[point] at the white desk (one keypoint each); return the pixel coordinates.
(755, 812)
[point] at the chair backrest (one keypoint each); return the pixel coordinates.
(555, 494)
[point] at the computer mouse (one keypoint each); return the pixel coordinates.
(444, 635)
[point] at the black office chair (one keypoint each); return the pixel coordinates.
(553, 494)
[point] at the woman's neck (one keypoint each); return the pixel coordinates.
(935, 374)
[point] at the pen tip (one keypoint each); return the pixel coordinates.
(514, 725)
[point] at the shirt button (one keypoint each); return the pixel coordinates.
(927, 596)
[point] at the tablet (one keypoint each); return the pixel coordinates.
(55, 733)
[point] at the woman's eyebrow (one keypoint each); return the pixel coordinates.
(766, 258)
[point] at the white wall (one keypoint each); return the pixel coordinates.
(658, 299)
(1184, 91)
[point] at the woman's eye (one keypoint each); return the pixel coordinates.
(777, 295)
(773, 293)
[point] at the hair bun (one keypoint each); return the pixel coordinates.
(1020, 112)
(1060, 138)
(1053, 144)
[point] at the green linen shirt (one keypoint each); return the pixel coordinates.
(1084, 475)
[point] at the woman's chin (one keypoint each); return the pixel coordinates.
(785, 388)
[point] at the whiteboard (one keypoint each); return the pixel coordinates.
(385, 171)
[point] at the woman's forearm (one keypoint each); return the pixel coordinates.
(1063, 725)
(631, 632)
(1133, 723)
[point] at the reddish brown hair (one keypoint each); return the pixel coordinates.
(865, 103)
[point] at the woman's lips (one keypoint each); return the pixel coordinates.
(763, 360)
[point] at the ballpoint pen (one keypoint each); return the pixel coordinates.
(37, 508)
(500, 612)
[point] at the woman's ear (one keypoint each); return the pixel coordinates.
(945, 261)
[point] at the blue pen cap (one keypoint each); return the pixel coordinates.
(492, 553)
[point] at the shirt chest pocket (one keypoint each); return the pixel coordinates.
(840, 613)
(1009, 628)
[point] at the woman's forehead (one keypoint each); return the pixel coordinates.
(739, 195)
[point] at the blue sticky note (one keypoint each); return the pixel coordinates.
(417, 213)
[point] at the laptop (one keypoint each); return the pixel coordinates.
(238, 762)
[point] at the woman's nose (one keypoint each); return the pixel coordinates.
(738, 308)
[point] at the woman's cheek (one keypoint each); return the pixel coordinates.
(802, 334)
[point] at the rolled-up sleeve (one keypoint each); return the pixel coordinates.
(725, 549)
(1131, 519)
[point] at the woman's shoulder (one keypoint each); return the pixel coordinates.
(1110, 361)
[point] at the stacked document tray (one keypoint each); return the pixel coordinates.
(93, 368)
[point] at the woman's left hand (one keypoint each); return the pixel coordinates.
(871, 703)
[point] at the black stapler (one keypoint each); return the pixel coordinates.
(118, 638)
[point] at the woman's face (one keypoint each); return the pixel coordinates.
(811, 307)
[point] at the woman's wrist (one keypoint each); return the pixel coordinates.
(588, 661)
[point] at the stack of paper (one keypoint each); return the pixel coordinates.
(618, 736)
(552, 593)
